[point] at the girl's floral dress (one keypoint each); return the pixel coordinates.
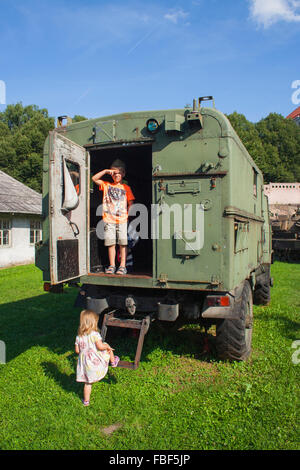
(92, 364)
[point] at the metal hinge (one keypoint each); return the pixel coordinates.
(214, 280)
(163, 279)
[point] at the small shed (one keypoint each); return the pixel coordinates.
(20, 221)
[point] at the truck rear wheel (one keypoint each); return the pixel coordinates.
(234, 337)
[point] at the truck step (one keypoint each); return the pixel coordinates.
(142, 324)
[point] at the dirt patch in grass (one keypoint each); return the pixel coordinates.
(110, 429)
(189, 371)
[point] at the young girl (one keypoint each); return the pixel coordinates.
(94, 355)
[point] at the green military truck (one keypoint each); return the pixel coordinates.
(204, 250)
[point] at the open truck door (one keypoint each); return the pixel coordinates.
(68, 209)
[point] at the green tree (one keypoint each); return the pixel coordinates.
(23, 131)
(249, 136)
(78, 118)
(284, 135)
(273, 143)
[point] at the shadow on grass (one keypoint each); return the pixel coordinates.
(287, 328)
(50, 320)
(172, 337)
(68, 382)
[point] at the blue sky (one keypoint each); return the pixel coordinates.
(97, 58)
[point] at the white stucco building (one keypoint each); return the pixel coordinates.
(283, 193)
(20, 221)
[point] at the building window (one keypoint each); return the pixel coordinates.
(5, 230)
(35, 231)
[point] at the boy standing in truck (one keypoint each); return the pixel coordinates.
(117, 199)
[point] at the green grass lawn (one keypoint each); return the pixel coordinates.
(178, 398)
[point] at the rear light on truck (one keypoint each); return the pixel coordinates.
(47, 286)
(218, 301)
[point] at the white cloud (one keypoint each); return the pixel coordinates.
(174, 16)
(268, 12)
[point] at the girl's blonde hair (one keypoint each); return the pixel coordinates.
(88, 322)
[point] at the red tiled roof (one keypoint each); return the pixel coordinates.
(294, 114)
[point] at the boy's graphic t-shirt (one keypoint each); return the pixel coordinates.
(115, 198)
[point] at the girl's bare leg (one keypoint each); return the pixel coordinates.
(111, 354)
(112, 357)
(87, 391)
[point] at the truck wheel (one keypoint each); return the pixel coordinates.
(262, 291)
(262, 295)
(234, 337)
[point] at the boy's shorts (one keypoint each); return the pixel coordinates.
(115, 234)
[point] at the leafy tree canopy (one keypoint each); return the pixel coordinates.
(273, 143)
(23, 130)
(78, 118)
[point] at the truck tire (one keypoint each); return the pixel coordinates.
(262, 295)
(262, 291)
(234, 337)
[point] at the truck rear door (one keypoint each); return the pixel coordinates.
(187, 255)
(67, 209)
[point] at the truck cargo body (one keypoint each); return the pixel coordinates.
(192, 163)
